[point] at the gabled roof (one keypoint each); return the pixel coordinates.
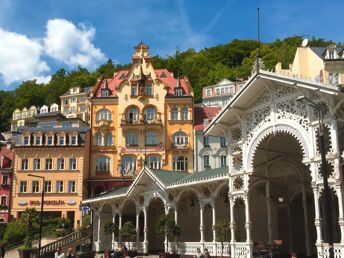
(165, 179)
(201, 113)
(253, 87)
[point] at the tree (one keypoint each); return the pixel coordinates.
(111, 228)
(166, 226)
(30, 220)
(222, 233)
(128, 232)
(14, 233)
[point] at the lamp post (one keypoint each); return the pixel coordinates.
(41, 215)
(320, 108)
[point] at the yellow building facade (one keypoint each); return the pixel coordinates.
(140, 116)
(57, 149)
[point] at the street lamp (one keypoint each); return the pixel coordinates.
(321, 109)
(41, 215)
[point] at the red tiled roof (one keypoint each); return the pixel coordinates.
(201, 113)
(168, 80)
(8, 157)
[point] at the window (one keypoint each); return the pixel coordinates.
(134, 90)
(72, 164)
(174, 114)
(60, 164)
(104, 114)
(179, 92)
(151, 138)
(128, 165)
(25, 164)
(131, 139)
(26, 140)
(3, 201)
(73, 99)
(47, 186)
(154, 162)
(35, 186)
(23, 186)
(132, 115)
(65, 101)
(206, 141)
(222, 91)
(223, 159)
(73, 140)
(103, 164)
(180, 163)
(36, 164)
(231, 90)
(108, 139)
(206, 159)
(71, 187)
(66, 111)
(208, 92)
(82, 99)
(82, 108)
(180, 138)
(61, 140)
(72, 110)
(48, 164)
(331, 54)
(4, 180)
(150, 114)
(59, 186)
(50, 140)
(105, 93)
(184, 113)
(98, 139)
(149, 91)
(38, 140)
(217, 91)
(223, 142)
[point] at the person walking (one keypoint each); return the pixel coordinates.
(59, 253)
(198, 254)
(2, 250)
(70, 254)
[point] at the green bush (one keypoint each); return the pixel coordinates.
(15, 232)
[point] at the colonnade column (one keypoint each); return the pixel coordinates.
(201, 226)
(98, 231)
(137, 225)
(145, 230)
(113, 240)
(120, 222)
(166, 240)
(317, 220)
(268, 209)
(248, 227)
(340, 212)
(305, 215)
(232, 223)
(214, 221)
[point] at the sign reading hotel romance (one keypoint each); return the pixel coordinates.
(52, 203)
(141, 150)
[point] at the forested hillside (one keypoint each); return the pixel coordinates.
(208, 66)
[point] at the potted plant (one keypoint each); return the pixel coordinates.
(166, 226)
(222, 233)
(128, 233)
(29, 220)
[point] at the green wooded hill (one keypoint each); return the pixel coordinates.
(205, 67)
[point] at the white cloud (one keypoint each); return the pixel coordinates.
(70, 44)
(20, 57)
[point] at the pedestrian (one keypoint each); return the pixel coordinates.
(2, 250)
(198, 254)
(59, 253)
(206, 253)
(293, 255)
(107, 253)
(70, 254)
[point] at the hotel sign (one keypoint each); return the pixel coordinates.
(48, 203)
(141, 150)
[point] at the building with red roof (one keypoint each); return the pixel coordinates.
(139, 116)
(6, 169)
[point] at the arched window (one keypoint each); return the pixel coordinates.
(150, 114)
(98, 139)
(180, 138)
(174, 114)
(104, 114)
(154, 162)
(108, 139)
(180, 163)
(184, 114)
(128, 165)
(103, 164)
(132, 115)
(223, 160)
(3, 201)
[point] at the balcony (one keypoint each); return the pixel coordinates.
(5, 185)
(140, 121)
(104, 123)
(184, 146)
(3, 207)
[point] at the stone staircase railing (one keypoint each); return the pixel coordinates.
(65, 241)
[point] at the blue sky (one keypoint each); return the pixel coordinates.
(39, 36)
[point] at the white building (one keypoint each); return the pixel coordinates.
(272, 189)
(209, 151)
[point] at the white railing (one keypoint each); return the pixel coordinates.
(324, 252)
(226, 249)
(190, 248)
(241, 250)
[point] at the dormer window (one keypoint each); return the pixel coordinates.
(62, 140)
(38, 140)
(73, 140)
(179, 92)
(331, 54)
(105, 93)
(26, 140)
(163, 75)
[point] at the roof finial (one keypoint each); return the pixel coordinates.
(105, 84)
(178, 80)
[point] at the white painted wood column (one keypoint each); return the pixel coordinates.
(232, 225)
(165, 241)
(145, 230)
(137, 225)
(305, 215)
(268, 209)
(175, 215)
(119, 222)
(98, 232)
(317, 219)
(247, 220)
(113, 240)
(214, 220)
(201, 226)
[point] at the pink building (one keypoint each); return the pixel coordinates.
(6, 169)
